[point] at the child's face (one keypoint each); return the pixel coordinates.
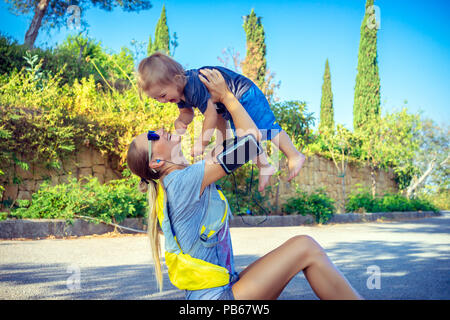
(165, 93)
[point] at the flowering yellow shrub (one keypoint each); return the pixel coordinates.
(43, 122)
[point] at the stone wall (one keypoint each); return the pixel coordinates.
(316, 172)
(320, 172)
(87, 162)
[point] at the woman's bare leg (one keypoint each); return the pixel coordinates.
(268, 276)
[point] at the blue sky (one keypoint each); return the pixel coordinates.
(413, 45)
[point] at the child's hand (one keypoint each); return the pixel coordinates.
(180, 127)
(197, 149)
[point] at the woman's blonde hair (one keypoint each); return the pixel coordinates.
(138, 163)
(160, 69)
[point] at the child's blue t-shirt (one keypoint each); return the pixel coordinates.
(186, 211)
(197, 95)
(249, 95)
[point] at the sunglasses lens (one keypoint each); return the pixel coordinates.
(152, 135)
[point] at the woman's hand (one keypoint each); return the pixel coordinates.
(214, 81)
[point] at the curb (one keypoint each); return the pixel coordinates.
(387, 216)
(298, 220)
(271, 221)
(42, 228)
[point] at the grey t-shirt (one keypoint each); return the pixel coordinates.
(186, 210)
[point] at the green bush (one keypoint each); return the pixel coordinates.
(11, 54)
(363, 201)
(395, 202)
(55, 121)
(71, 55)
(113, 201)
(420, 204)
(295, 120)
(437, 195)
(317, 203)
(3, 215)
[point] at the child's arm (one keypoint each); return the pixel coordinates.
(183, 120)
(222, 130)
(209, 125)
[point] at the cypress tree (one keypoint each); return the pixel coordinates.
(367, 88)
(162, 38)
(326, 103)
(254, 66)
(149, 47)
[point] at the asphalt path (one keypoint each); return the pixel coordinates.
(382, 260)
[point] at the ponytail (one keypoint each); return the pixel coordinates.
(138, 162)
(152, 229)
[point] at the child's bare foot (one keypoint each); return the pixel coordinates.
(264, 175)
(295, 164)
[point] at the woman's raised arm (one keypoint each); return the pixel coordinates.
(220, 92)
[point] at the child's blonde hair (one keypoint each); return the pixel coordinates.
(160, 69)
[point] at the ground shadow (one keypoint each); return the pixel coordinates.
(408, 270)
(111, 282)
(433, 225)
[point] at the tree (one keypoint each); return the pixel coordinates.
(433, 157)
(139, 49)
(294, 118)
(367, 88)
(339, 144)
(388, 142)
(162, 38)
(149, 46)
(231, 53)
(326, 104)
(254, 65)
(55, 13)
(80, 46)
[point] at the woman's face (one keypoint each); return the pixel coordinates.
(168, 147)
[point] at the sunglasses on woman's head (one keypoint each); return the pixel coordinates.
(151, 136)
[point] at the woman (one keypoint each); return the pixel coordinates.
(184, 195)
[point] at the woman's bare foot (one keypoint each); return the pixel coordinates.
(265, 173)
(295, 164)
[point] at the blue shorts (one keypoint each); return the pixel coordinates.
(227, 294)
(258, 108)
